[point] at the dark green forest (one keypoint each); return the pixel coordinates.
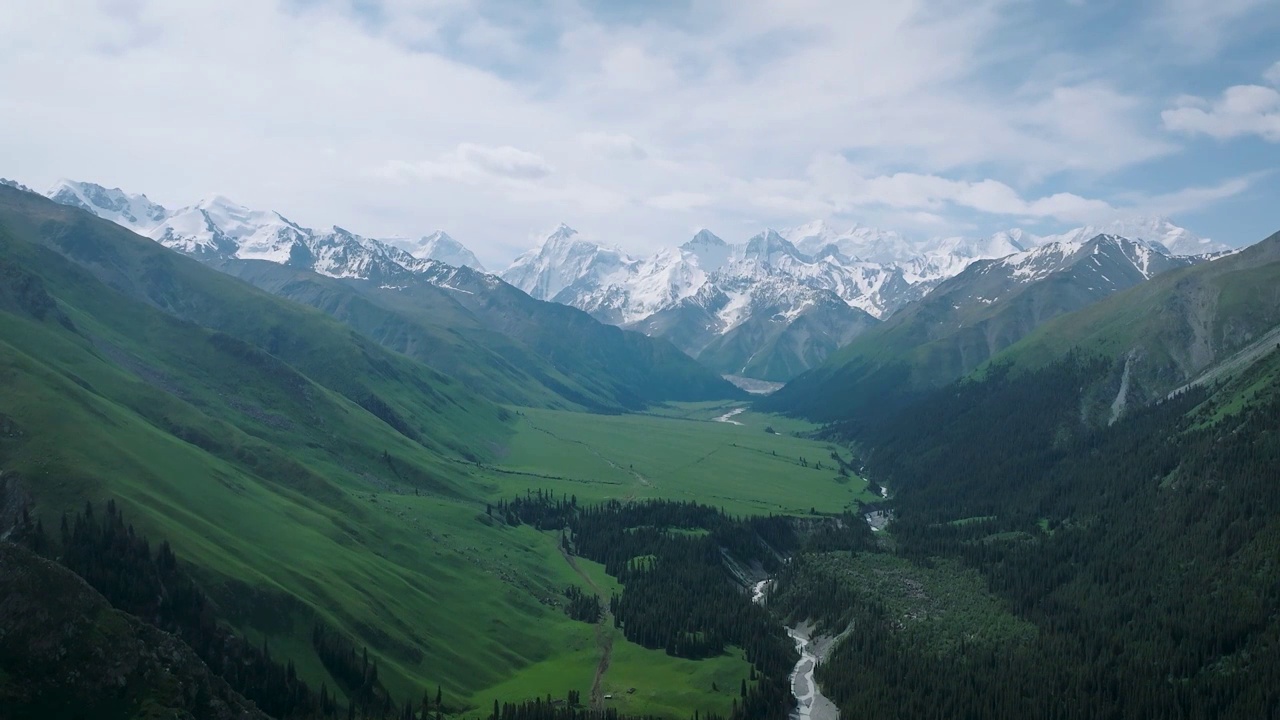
(678, 596)
(1146, 554)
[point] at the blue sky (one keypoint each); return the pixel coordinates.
(639, 123)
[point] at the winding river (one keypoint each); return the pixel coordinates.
(811, 704)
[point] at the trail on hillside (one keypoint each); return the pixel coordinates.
(604, 634)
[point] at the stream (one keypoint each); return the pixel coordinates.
(811, 704)
(728, 417)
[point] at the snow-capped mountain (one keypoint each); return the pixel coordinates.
(699, 294)
(439, 246)
(15, 185)
(1094, 267)
(135, 212)
(491, 337)
(563, 259)
(219, 228)
(769, 305)
(1178, 241)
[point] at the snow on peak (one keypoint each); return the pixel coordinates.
(438, 246)
(561, 233)
(1158, 230)
(812, 236)
(769, 247)
(135, 212)
(708, 250)
(705, 237)
(562, 259)
(15, 185)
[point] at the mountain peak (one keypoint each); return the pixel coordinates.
(135, 212)
(1157, 230)
(704, 238)
(768, 245)
(15, 185)
(438, 246)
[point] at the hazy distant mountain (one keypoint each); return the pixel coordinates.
(439, 246)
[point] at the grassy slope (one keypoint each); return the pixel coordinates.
(424, 323)
(246, 447)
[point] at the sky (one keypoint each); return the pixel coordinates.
(638, 123)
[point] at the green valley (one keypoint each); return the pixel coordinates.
(735, 464)
(310, 476)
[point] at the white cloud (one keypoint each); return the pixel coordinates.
(476, 163)
(618, 146)
(1272, 75)
(504, 161)
(848, 189)
(1202, 27)
(1242, 110)
(740, 114)
(680, 201)
(1192, 198)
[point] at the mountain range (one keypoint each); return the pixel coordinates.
(497, 340)
(1077, 439)
(971, 317)
(769, 308)
(781, 302)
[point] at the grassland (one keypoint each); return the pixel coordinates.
(739, 467)
(306, 473)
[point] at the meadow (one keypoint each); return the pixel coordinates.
(678, 452)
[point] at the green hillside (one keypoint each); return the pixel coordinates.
(1202, 323)
(1141, 552)
(308, 474)
(962, 324)
(499, 341)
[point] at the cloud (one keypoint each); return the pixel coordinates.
(1202, 27)
(474, 163)
(1193, 198)
(680, 201)
(848, 189)
(504, 161)
(492, 124)
(618, 146)
(1272, 75)
(1242, 110)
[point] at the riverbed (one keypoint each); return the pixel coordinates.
(728, 417)
(811, 704)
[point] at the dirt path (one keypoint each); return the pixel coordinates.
(604, 634)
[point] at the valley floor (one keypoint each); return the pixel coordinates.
(753, 465)
(677, 452)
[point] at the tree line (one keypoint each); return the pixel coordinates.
(1145, 554)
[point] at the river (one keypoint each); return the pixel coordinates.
(811, 704)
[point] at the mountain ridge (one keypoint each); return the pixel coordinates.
(467, 331)
(970, 318)
(699, 293)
